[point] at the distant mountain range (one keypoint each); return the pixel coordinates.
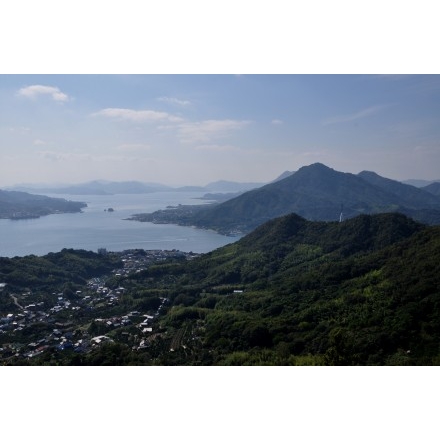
(419, 183)
(96, 187)
(18, 205)
(99, 187)
(104, 187)
(315, 192)
(434, 188)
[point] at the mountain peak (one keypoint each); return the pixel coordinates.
(368, 173)
(316, 166)
(317, 169)
(283, 176)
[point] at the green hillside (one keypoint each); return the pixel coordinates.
(54, 269)
(361, 292)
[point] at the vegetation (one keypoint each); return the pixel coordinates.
(362, 292)
(293, 292)
(55, 269)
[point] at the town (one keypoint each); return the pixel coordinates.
(84, 319)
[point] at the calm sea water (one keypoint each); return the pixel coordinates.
(96, 228)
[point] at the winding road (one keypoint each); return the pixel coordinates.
(16, 301)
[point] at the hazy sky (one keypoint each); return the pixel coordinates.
(195, 129)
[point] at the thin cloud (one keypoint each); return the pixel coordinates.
(174, 101)
(58, 157)
(206, 131)
(33, 92)
(19, 129)
(277, 122)
(354, 116)
(126, 114)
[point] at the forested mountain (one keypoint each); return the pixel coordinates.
(54, 269)
(315, 192)
(17, 205)
(283, 244)
(364, 291)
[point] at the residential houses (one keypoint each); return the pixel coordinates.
(56, 319)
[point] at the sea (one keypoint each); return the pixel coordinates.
(96, 227)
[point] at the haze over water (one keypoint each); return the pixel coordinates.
(96, 228)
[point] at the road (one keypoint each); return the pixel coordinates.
(16, 301)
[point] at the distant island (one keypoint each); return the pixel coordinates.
(18, 205)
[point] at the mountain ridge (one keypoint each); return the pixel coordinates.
(315, 192)
(433, 188)
(101, 187)
(407, 193)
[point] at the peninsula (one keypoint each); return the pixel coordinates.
(17, 205)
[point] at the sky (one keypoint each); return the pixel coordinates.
(195, 129)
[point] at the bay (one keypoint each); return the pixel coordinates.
(96, 227)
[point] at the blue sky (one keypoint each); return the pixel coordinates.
(195, 129)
